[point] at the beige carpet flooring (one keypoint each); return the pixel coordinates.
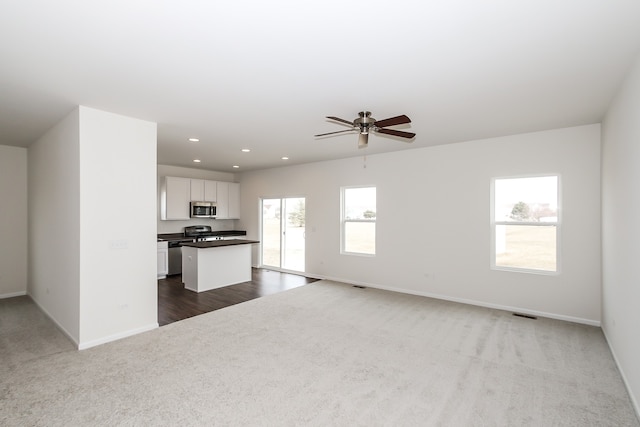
(325, 354)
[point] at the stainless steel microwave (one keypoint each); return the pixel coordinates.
(203, 210)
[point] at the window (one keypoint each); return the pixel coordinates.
(283, 233)
(358, 220)
(525, 224)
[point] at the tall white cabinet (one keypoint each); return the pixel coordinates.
(176, 195)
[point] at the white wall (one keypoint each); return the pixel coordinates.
(433, 230)
(178, 226)
(92, 225)
(54, 218)
(13, 221)
(621, 230)
(118, 251)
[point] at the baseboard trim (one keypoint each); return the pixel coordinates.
(13, 294)
(115, 337)
(64, 331)
(632, 397)
(93, 343)
(471, 302)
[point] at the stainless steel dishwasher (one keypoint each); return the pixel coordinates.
(175, 255)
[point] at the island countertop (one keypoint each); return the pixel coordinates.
(219, 243)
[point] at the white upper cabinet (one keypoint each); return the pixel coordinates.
(228, 203)
(177, 193)
(203, 190)
(222, 204)
(210, 191)
(197, 190)
(175, 198)
(234, 200)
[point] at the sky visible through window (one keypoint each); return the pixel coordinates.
(358, 201)
(537, 192)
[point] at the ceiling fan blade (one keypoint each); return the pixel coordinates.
(338, 119)
(363, 140)
(397, 133)
(333, 133)
(398, 120)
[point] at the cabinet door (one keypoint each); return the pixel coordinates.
(222, 204)
(234, 200)
(203, 190)
(176, 198)
(197, 190)
(210, 191)
(163, 262)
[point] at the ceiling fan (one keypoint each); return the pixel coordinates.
(365, 124)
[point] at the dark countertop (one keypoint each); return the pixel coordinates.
(180, 236)
(219, 243)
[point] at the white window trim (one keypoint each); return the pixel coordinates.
(557, 224)
(343, 221)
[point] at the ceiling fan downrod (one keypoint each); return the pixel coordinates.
(364, 122)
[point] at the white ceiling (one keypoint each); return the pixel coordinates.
(263, 75)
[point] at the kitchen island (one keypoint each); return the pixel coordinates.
(215, 264)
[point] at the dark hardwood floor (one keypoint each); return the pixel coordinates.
(177, 303)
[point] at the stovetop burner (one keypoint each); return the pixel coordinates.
(198, 231)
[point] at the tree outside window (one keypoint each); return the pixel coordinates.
(297, 215)
(358, 219)
(525, 223)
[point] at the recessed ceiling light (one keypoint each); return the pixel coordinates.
(196, 160)
(245, 150)
(285, 158)
(194, 140)
(236, 166)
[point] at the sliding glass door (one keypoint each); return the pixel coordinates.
(283, 233)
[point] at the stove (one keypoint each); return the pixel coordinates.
(201, 233)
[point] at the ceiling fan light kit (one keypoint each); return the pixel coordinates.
(365, 124)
